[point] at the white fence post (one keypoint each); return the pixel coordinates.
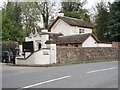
(52, 53)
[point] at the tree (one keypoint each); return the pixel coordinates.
(101, 22)
(75, 10)
(11, 23)
(46, 10)
(72, 6)
(0, 25)
(81, 14)
(30, 14)
(114, 22)
(8, 45)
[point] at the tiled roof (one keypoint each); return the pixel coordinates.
(73, 22)
(79, 38)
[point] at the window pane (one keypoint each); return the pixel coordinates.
(80, 31)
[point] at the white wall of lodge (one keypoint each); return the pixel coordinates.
(62, 27)
(104, 45)
(89, 42)
(38, 39)
(52, 52)
(20, 49)
(42, 57)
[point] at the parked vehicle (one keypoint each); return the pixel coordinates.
(7, 56)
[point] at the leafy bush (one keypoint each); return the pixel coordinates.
(8, 45)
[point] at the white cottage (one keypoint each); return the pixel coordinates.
(76, 32)
(70, 26)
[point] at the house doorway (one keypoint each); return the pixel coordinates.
(39, 46)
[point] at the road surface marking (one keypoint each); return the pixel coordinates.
(52, 80)
(101, 70)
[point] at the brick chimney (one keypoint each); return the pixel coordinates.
(44, 26)
(61, 14)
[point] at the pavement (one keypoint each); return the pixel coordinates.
(89, 75)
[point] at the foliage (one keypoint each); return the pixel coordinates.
(8, 45)
(19, 17)
(101, 22)
(108, 22)
(46, 10)
(114, 22)
(30, 14)
(82, 14)
(0, 25)
(75, 10)
(72, 6)
(34, 12)
(11, 23)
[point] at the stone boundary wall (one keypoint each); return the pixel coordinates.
(83, 55)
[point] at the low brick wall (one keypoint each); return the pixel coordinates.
(83, 55)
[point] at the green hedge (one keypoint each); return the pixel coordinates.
(8, 45)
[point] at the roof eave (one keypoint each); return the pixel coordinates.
(82, 26)
(67, 43)
(53, 22)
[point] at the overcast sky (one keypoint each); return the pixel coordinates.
(92, 3)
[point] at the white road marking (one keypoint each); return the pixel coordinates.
(101, 70)
(52, 80)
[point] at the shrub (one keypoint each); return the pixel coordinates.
(8, 45)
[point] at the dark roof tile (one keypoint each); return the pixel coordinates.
(79, 38)
(73, 22)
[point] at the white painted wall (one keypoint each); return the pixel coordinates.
(40, 57)
(20, 49)
(62, 27)
(52, 52)
(38, 39)
(90, 42)
(44, 56)
(104, 45)
(86, 30)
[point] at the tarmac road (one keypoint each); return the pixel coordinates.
(89, 75)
